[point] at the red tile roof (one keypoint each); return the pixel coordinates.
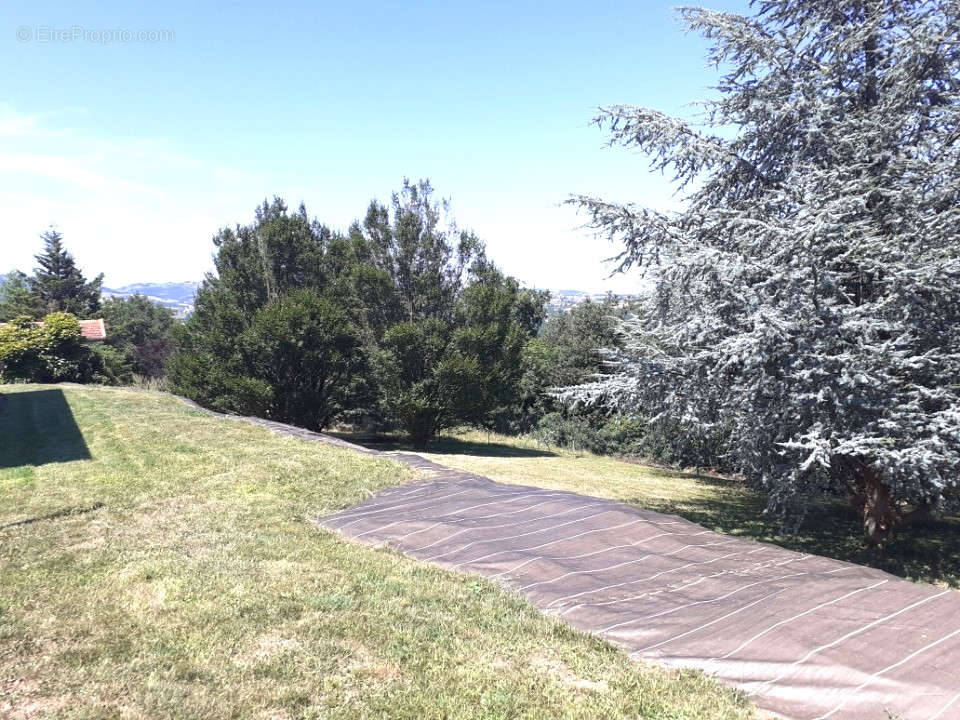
(89, 329)
(93, 329)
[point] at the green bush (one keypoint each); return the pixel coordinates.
(670, 443)
(299, 359)
(53, 352)
(141, 332)
(573, 432)
(426, 384)
(307, 360)
(112, 366)
(622, 435)
(216, 384)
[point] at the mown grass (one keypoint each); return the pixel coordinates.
(929, 552)
(159, 563)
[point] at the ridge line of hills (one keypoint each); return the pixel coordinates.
(178, 296)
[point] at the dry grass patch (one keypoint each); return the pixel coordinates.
(556, 668)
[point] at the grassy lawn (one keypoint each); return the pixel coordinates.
(929, 553)
(159, 563)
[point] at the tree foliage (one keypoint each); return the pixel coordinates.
(497, 319)
(419, 247)
(240, 350)
(141, 332)
(16, 297)
(306, 350)
(569, 350)
(572, 348)
(426, 383)
(453, 357)
(400, 322)
(808, 291)
(57, 283)
(49, 352)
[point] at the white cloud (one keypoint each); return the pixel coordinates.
(14, 124)
(72, 171)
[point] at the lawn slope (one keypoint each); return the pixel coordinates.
(156, 562)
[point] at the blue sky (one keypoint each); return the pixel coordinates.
(138, 151)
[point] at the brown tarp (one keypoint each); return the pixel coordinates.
(804, 636)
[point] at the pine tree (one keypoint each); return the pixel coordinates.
(807, 299)
(59, 285)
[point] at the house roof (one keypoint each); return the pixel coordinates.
(89, 329)
(93, 329)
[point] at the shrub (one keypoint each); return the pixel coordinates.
(572, 432)
(112, 367)
(306, 358)
(53, 352)
(427, 385)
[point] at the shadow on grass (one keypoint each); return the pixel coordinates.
(929, 552)
(37, 428)
(443, 446)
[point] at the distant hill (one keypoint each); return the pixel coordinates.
(181, 292)
(176, 296)
(563, 301)
(179, 296)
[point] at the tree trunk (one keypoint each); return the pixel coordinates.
(881, 517)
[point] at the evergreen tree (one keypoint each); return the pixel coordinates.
(579, 341)
(496, 320)
(452, 354)
(808, 291)
(308, 352)
(569, 350)
(58, 284)
(16, 298)
(400, 323)
(426, 383)
(276, 330)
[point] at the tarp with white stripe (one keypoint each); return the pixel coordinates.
(805, 636)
